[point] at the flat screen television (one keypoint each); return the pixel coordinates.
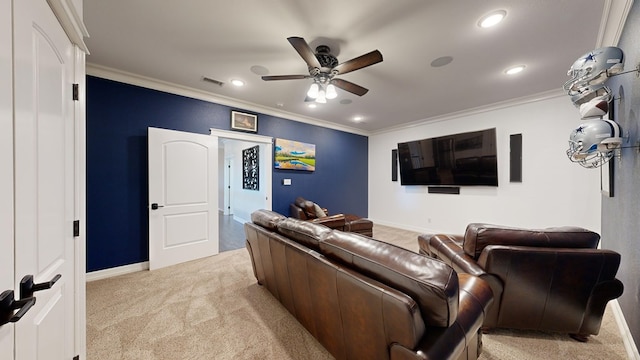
(455, 160)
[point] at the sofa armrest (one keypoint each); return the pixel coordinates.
(448, 248)
(336, 221)
(463, 336)
(602, 294)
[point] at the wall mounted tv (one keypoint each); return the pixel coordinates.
(454, 160)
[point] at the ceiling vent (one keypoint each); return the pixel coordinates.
(213, 81)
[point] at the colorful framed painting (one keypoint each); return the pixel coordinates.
(294, 155)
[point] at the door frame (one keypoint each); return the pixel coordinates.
(268, 157)
(7, 275)
(71, 20)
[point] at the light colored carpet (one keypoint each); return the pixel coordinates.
(213, 309)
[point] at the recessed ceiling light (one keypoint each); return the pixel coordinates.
(312, 105)
(492, 19)
(237, 82)
(514, 70)
(357, 118)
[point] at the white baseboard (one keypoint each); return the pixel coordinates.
(116, 271)
(239, 219)
(627, 338)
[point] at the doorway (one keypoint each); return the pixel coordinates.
(236, 203)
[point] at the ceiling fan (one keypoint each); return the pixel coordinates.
(323, 67)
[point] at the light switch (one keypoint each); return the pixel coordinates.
(286, 182)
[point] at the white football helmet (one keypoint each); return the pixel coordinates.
(593, 143)
(594, 68)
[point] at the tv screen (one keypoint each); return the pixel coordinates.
(455, 160)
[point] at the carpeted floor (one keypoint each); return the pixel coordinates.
(213, 309)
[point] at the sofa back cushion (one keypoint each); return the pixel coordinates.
(303, 232)
(267, 219)
(478, 235)
(430, 282)
(307, 207)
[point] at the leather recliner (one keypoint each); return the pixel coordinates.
(308, 210)
(553, 279)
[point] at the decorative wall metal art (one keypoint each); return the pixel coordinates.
(250, 168)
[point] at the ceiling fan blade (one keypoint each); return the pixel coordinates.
(349, 86)
(284, 77)
(305, 51)
(360, 62)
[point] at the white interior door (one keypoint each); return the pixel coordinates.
(183, 197)
(6, 170)
(44, 179)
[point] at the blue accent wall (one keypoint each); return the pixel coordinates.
(118, 116)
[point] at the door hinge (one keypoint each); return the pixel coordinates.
(76, 92)
(76, 228)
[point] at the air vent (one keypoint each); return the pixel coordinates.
(213, 81)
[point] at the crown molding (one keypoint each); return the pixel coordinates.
(551, 94)
(71, 22)
(155, 84)
(612, 23)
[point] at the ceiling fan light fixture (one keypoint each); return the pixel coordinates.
(331, 92)
(321, 99)
(313, 91)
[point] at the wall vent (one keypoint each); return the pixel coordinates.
(213, 81)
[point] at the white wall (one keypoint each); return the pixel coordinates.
(244, 202)
(554, 191)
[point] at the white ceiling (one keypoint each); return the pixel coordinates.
(180, 42)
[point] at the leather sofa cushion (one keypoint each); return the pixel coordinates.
(478, 235)
(307, 206)
(430, 282)
(303, 232)
(267, 219)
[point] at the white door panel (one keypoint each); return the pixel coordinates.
(179, 191)
(6, 171)
(44, 173)
(183, 184)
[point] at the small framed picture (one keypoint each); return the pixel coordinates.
(244, 122)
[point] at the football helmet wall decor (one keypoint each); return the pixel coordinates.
(594, 142)
(594, 68)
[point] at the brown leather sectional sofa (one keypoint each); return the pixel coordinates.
(552, 279)
(365, 299)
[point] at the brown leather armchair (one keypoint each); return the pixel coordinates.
(308, 210)
(552, 279)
